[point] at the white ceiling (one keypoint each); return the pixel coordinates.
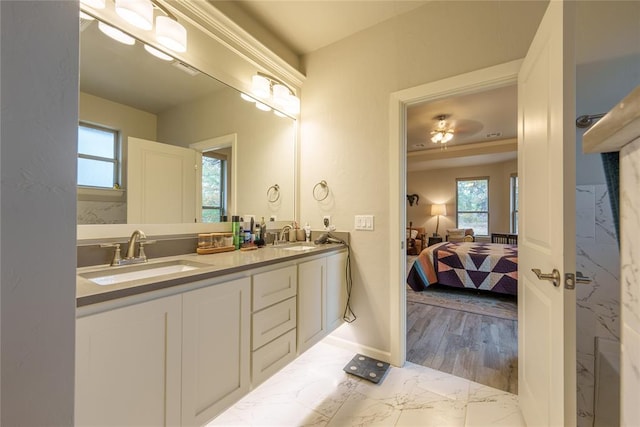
(308, 25)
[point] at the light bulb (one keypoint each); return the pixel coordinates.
(260, 86)
(171, 34)
(246, 97)
(116, 34)
(96, 4)
(263, 107)
(157, 53)
(138, 13)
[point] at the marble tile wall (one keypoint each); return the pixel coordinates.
(92, 212)
(630, 261)
(598, 303)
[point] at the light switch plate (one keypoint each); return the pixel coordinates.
(364, 222)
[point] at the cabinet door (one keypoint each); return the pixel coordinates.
(311, 303)
(216, 352)
(336, 289)
(128, 365)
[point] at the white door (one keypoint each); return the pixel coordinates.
(546, 173)
(161, 183)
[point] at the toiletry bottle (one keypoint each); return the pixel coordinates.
(307, 232)
(235, 230)
(263, 230)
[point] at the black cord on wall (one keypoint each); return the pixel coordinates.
(348, 316)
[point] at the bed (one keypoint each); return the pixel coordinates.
(485, 266)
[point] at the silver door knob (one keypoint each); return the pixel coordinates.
(554, 277)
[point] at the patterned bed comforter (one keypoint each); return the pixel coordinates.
(486, 266)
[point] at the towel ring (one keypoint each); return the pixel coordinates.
(273, 193)
(321, 191)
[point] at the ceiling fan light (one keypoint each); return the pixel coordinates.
(96, 4)
(260, 86)
(448, 136)
(171, 34)
(116, 34)
(138, 13)
(436, 137)
(157, 53)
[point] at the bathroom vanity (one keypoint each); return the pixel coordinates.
(179, 348)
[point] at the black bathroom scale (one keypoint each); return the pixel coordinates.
(365, 367)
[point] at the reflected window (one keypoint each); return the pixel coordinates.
(98, 160)
(214, 186)
(472, 207)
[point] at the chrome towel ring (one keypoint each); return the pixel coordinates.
(321, 191)
(273, 193)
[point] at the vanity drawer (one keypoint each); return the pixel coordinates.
(274, 286)
(272, 322)
(269, 359)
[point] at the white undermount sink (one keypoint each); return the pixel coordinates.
(298, 248)
(116, 275)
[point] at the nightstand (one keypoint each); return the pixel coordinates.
(433, 240)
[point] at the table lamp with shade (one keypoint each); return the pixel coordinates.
(437, 210)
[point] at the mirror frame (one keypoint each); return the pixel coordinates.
(221, 49)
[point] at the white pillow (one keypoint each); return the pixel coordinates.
(414, 234)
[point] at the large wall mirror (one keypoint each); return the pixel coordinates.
(142, 97)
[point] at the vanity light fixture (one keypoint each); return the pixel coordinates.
(157, 53)
(443, 133)
(116, 34)
(266, 87)
(138, 13)
(96, 4)
(171, 34)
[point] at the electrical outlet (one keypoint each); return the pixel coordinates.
(326, 221)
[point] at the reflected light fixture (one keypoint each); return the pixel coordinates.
(442, 133)
(269, 88)
(96, 4)
(116, 34)
(171, 34)
(138, 13)
(437, 210)
(157, 53)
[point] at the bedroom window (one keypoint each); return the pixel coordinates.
(472, 204)
(514, 203)
(98, 162)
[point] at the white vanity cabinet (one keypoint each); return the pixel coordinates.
(273, 342)
(321, 298)
(128, 365)
(215, 349)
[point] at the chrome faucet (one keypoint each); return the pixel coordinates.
(131, 249)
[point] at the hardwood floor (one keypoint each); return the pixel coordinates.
(477, 347)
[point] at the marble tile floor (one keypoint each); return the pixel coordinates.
(315, 391)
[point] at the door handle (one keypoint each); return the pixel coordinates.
(582, 279)
(554, 277)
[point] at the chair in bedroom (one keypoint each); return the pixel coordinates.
(415, 240)
(506, 238)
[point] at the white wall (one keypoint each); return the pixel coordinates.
(439, 186)
(345, 116)
(39, 74)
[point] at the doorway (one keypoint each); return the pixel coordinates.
(463, 184)
(478, 81)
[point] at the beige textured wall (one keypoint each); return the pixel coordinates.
(439, 186)
(265, 151)
(345, 116)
